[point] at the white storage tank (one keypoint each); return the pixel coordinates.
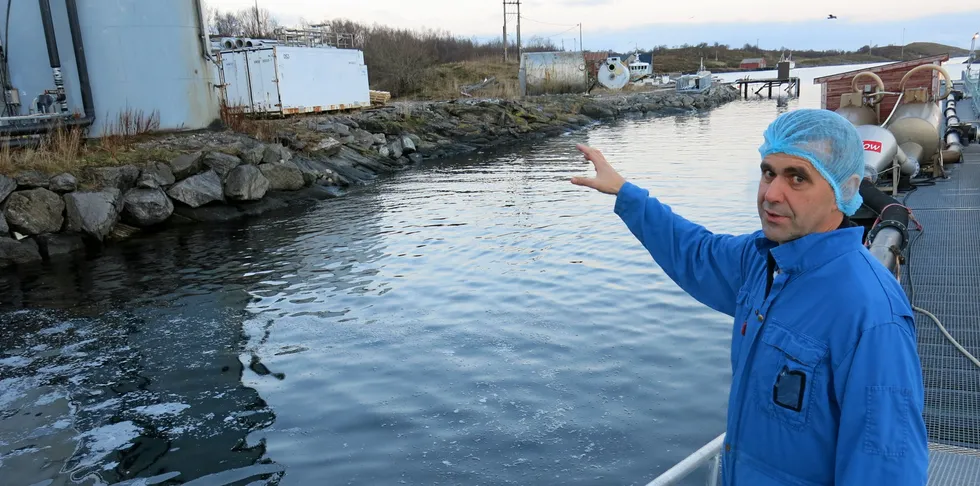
(142, 56)
(553, 73)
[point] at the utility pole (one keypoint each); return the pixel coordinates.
(505, 31)
(258, 24)
(519, 45)
(903, 43)
(506, 13)
(580, 48)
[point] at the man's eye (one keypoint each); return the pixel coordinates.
(798, 180)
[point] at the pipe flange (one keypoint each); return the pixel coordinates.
(889, 223)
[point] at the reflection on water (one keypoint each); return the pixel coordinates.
(479, 320)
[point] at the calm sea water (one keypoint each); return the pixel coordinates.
(473, 321)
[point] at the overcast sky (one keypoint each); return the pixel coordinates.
(619, 24)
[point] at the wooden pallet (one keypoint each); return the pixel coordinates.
(379, 97)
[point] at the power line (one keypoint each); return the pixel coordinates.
(525, 17)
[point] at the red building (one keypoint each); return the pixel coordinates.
(753, 63)
(832, 87)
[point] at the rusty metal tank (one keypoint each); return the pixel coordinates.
(553, 73)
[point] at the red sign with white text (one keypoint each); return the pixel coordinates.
(872, 145)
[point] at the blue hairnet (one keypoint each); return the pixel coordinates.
(829, 142)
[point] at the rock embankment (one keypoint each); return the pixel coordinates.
(224, 176)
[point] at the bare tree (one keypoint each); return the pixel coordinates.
(257, 23)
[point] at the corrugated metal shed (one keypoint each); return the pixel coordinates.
(833, 86)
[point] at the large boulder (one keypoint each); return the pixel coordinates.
(313, 170)
(221, 163)
(4, 229)
(35, 211)
(32, 179)
(283, 177)
(121, 178)
(254, 155)
(63, 183)
(14, 252)
(198, 190)
(408, 145)
(7, 186)
(275, 153)
(395, 149)
(328, 147)
(154, 175)
(93, 213)
(245, 183)
(186, 165)
(146, 207)
(58, 244)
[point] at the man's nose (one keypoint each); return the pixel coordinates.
(776, 191)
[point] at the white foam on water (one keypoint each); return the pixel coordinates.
(103, 440)
(162, 409)
(16, 361)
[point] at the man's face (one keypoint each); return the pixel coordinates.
(794, 199)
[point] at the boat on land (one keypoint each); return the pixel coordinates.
(921, 193)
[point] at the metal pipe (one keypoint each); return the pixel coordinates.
(83, 82)
(52, 42)
(881, 248)
(690, 463)
(889, 236)
(76, 39)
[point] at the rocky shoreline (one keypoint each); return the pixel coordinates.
(225, 175)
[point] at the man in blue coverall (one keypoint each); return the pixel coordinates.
(827, 385)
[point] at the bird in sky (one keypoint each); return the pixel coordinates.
(831, 16)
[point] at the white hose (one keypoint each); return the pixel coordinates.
(946, 333)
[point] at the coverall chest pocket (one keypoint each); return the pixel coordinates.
(787, 373)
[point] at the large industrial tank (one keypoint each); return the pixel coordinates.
(917, 123)
(142, 56)
(552, 73)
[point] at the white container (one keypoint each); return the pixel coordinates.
(287, 80)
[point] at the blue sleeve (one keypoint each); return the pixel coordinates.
(882, 437)
(705, 265)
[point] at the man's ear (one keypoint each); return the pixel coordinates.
(850, 187)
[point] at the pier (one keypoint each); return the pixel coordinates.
(793, 85)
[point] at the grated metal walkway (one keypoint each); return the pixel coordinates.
(943, 277)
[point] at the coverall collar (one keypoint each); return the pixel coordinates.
(813, 250)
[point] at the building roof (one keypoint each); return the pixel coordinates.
(753, 60)
(885, 67)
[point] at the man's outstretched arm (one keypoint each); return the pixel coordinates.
(705, 265)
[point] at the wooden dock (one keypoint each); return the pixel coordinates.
(793, 86)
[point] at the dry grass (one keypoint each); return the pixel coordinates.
(66, 149)
(445, 81)
(236, 120)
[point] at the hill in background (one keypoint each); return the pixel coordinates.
(722, 58)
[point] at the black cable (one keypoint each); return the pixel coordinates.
(7, 107)
(921, 229)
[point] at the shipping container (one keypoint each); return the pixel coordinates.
(288, 79)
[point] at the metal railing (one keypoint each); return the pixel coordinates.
(709, 454)
(971, 83)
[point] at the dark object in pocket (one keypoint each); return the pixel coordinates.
(789, 390)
